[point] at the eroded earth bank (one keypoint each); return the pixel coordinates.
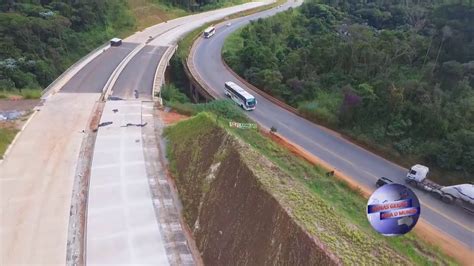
(243, 209)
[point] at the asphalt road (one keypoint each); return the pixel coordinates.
(136, 80)
(362, 165)
(94, 75)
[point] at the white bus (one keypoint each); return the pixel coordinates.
(240, 96)
(209, 32)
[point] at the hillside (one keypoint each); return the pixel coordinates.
(249, 201)
(395, 76)
(41, 39)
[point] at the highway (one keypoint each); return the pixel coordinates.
(126, 209)
(361, 165)
(37, 176)
(136, 80)
(92, 78)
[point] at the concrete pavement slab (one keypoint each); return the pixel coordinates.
(136, 80)
(36, 182)
(122, 225)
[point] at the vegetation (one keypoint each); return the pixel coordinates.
(25, 94)
(151, 12)
(397, 75)
(39, 40)
(322, 198)
(202, 5)
(178, 61)
(7, 134)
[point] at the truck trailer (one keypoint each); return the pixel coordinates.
(463, 193)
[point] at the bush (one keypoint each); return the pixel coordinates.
(224, 109)
(31, 94)
(221, 108)
(170, 93)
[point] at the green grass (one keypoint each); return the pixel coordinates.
(149, 12)
(25, 94)
(185, 44)
(233, 43)
(335, 193)
(6, 137)
(220, 4)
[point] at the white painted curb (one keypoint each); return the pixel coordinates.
(158, 80)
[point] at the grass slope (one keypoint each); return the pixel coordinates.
(7, 134)
(342, 208)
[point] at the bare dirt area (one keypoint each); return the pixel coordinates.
(10, 125)
(171, 117)
(18, 104)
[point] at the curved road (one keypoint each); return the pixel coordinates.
(362, 165)
(38, 224)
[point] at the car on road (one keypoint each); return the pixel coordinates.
(115, 42)
(383, 181)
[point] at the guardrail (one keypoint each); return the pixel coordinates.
(261, 92)
(60, 81)
(193, 73)
(158, 79)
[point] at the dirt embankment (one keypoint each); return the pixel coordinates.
(243, 209)
(234, 219)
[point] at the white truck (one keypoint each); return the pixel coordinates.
(463, 193)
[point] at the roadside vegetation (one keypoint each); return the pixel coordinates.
(178, 61)
(336, 193)
(7, 134)
(150, 12)
(41, 39)
(203, 5)
(323, 189)
(397, 77)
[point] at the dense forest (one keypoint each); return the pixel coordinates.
(201, 5)
(40, 39)
(397, 75)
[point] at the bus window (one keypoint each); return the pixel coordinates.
(251, 102)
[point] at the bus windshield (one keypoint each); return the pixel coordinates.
(251, 102)
(209, 32)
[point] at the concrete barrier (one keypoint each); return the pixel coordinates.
(107, 90)
(158, 79)
(60, 81)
